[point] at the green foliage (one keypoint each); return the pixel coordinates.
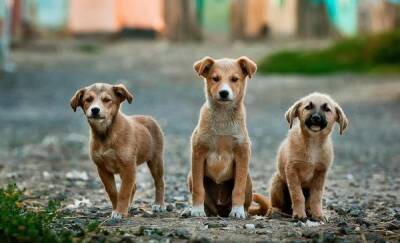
(377, 53)
(17, 224)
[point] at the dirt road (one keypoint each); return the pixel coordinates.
(43, 144)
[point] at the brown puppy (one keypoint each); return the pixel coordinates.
(219, 179)
(305, 156)
(119, 143)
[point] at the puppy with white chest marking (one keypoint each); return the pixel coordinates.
(119, 143)
(305, 156)
(219, 179)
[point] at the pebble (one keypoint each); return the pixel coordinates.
(250, 226)
(310, 234)
(219, 224)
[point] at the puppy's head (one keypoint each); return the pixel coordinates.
(100, 102)
(317, 114)
(225, 79)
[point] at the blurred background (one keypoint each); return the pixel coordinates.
(347, 48)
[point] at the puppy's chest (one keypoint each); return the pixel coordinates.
(220, 158)
(108, 158)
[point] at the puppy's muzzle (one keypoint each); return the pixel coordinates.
(224, 95)
(95, 114)
(316, 122)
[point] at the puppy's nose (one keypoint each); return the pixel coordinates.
(316, 118)
(224, 94)
(95, 111)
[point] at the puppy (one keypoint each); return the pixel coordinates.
(119, 143)
(305, 156)
(219, 179)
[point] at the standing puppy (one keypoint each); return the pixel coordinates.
(219, 179)
(119, 143)
(305, 156)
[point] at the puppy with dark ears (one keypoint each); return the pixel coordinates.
(119, 143)
(305, 156)
(219, 179)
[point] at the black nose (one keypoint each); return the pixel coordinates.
(95, 111)
(316, 118)
(223, 94)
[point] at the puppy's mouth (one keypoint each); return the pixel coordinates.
(224, 100)
(96, 118)
(315, 128)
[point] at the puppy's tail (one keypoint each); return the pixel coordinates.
(264, 204)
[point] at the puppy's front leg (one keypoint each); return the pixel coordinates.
(198, 193)
(242, 157)
(296, 193)
(109, 185)
(316, 192)
(127, 174)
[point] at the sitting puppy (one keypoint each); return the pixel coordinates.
(219, 179)
(305, 156)
(119, 143)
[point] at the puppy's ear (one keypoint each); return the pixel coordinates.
(76, 100)
(203, 66)
(341, 119)
(248, 67)
(121, 91)
(292, 113)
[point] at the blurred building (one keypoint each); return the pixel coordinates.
(197, 19)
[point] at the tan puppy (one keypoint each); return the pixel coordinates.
(119, 143)
(219, 179)
(305, 156)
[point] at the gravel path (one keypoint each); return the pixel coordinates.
(44, 144)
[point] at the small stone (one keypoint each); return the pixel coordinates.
(250, 226)
(126, 239)
(182, 234)
(310, 234)
(395, 225)
(200, 240)
(170, 207)
(345, 230)
(328, 237)
(213, 225)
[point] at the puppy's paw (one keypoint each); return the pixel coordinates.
(237, 212)
(299, 215)
(116, 216)
(321, 218)
(157, 208)
(198, 211)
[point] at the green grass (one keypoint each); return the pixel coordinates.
(18, 224)
(377, 53)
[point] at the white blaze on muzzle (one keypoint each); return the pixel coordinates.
(227, 88)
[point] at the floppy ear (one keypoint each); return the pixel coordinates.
(122, 92)
(203, 66)
(292, 113)
(341, 119)
(76, 100)
(248, 67)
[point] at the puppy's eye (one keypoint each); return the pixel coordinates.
(326, 108)
(89, 99)
(309, 106)
(106, 100)
(234, 79)
(216, 79)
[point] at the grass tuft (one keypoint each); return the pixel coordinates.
(17, 224)
(375, 53)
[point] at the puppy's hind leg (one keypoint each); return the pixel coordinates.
(156, 166)
(280, 198)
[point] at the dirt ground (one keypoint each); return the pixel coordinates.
(43, 145)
